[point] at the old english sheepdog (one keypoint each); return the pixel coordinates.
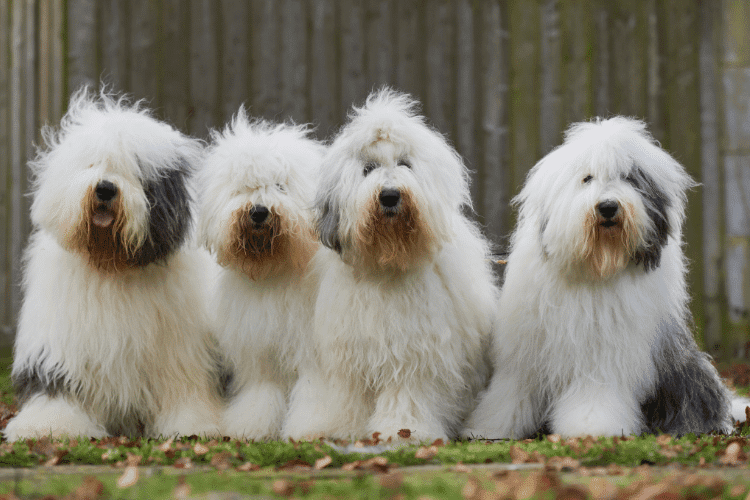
(113, 337)
(594, 331)
(256, 217)
(406, 296)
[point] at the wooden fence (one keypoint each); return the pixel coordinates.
(502, 79)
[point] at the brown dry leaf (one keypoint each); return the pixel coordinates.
(128, 478)
(571, 493)
(601, 489)
(166, 445)
(471, 489)
(351, 465)
(200, 449)
(248, 467)
(183, 463)
(133, 459)
(517, 455)
(438, 442)
(90, 489)
(426, 453)
(460, 467)
(554, 438)
(283, 487)
(323, 462)
(182, 490)
(404, 433)
(45, 447)
(391, 481)
(222, 460)
(295, 464)
(663, 439)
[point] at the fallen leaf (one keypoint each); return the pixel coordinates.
(166, 445)
(128, 478)
(248, 467)
(183, 463)
(391, 481)
(322, 462)
(200, 449)
(517, 455)
(222, 460)
(182, 490)
(90, 489)
(426, 453)
(283, 487)
(404, 433)
(601, 489)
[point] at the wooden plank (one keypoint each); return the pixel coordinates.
(628, 31)
(324, 84)
(576, 25)
(83, 64)
(524, 87)
(6, 314)
(683, 128)
(204, 68)
(116, 49)
(143, 50)
(175, 63)
(354, 85)
(711, 191)
(550, 112)
(410, 35)
(294, 56)
(439, 99)
(466, 88)
(235, 53)
(379, 49)
(496, 184)
(656, 87)
(266, 60)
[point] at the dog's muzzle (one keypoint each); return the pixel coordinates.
(390, 199)
(608, 210)
(258, 214)
(105, 193)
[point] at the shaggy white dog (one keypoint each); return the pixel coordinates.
(112, 336)
(594, 332)
(256, 216)
(406, 297)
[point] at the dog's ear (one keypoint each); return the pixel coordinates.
(327, 223)
(657, 205)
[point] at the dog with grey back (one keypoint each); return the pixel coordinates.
(594, 335)
(113, 337)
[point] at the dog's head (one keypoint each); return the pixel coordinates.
(390, 186)
(609, 197)
(258, 183)
(112, 183)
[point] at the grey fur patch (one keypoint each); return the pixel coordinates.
(688, 396)
(32, 381)
(328, 224)
(656, 203)
(130, 423)
(169, 216)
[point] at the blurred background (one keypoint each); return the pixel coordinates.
(501, 79)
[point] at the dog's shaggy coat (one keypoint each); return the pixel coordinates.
(113, 337)
(256, 216)
(594, 334)
(406, 296)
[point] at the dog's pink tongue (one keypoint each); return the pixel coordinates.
(103, 219)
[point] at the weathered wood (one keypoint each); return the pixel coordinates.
(628, 32)
(550, 107)
(379, 50)
(577, 46)
(324, 84)
(524, 88)
(115, 34)
(265, 77)
(204, 67)
(143, 50)
(683, 128)
(711, 199)
(235, 54)
(410, 36)
(601, 49)
(466, 89)
(294, 54)
(6, 267)
(354, 85)
(439, 98)
(655, 87)
(174, 57)
(83, 42)
(496, 177)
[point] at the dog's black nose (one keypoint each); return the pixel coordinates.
(389, 198)
(105, 191)
(258, 214)
(608, 208)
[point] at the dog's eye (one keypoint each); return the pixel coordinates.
(403, 162)
(587, 179)
(281, 188)
(370, 166)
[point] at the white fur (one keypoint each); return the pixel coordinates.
(262, 323)
(395, 348)
(133, 338)
(574, 349)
